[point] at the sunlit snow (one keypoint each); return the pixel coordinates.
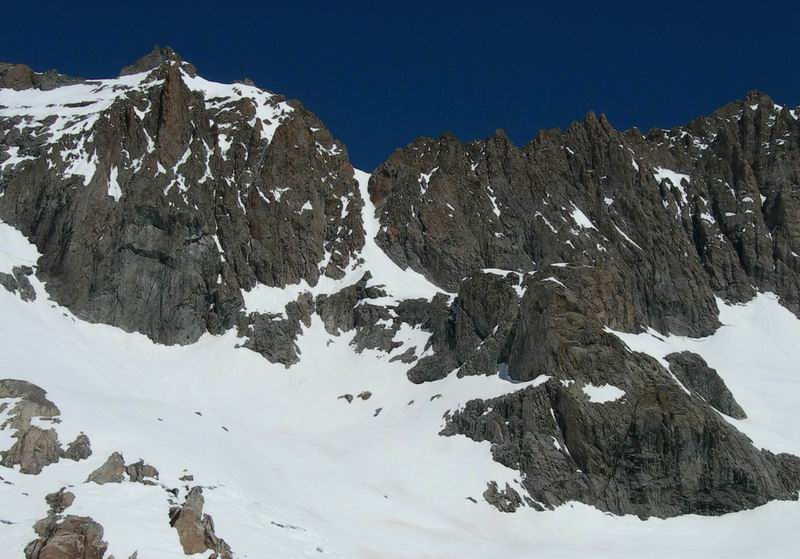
(351, 483)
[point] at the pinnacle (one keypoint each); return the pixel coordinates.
(159, 56)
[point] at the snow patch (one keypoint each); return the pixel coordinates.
(755, 351)
(398, 283)
(662, 173)
(603, 393)
(113, 185)
(580, 219)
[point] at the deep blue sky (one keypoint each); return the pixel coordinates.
(379, 73)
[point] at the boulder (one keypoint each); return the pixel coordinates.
(196, 529)
(112, 471)
(73, 537)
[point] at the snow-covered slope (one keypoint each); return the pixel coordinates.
(389, 365)
(292, 470)
(399, 284)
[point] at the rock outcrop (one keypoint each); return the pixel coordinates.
(35, 447)
(59, 501)
(18, 282)
(697, 376)
(111, 471)
(139, 472)
(656, 451)
(79, 449)
(682, 215)
(164, 199)
(114, 470)
(73, 537)
(196, 529)
(504, 500)
(20, 77)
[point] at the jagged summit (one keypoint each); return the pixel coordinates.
(481, 289)
(155, 58)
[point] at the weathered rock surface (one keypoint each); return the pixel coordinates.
(18, 282)
(34, 447)
(156, 211)
(59, 501)
(139, 472)
(697, 376)
(73, 537)
(657, 451)
(32, 402)
(21, 76)
(112, 471)
(504, 500)
(657, 456)
(682, 215)
(79, 449)
(196, 529)
(469, 336)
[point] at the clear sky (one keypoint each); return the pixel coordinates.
(382, 73)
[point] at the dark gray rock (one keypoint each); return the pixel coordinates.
(9, 282)
(656, 452)
(408, 356)
(732, 226)
(697, 376)
(504, 500)
(658, 455)
(209, 206)
(470, 336)
(139, 472)
(26, 291)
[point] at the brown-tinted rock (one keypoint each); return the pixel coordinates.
(139, 472)
(112, 471)
(79, 449)
(74, 537)
(59, 501)
(196, 529)
(34, 449)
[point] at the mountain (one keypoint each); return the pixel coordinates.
(209, 313)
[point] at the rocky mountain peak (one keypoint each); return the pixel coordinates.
(159, 56)
(755, 96)
(167, 204)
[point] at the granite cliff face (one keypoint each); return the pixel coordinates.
(681, 216)
(157, 197)
(169, 205)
